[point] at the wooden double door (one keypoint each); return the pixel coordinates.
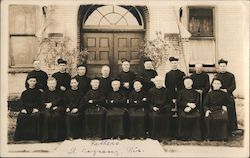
(110, 48)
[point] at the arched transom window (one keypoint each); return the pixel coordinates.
(114, 16)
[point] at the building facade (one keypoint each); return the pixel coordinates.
(204, 32)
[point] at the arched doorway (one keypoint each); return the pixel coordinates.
(111, 33)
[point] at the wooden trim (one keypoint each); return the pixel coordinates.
(202, 38)
(33, 35)
(98, 62)
(110, 30)
(14, 70)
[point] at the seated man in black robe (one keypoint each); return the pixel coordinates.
(126, 77)
(216, 106)
(40, 75)
(188, 112)
(62, 77)
(53, 122)
(228, 85)
(28, 120)
(160, 105)
(74, 119)
(148, 74)
(105, 81)
(137, 111)
(202, 85)
(84, 81)
(116, 117)
(94, 113)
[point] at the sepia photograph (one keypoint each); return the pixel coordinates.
(126, 78)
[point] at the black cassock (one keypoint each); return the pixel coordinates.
(41, 78)
(147, 76)
(105, 85)
(84, 84)
(74, 121)
(53, 120)
(127, 77)
(137, 114)
(63, 79)
(228, 82)
(174, 82)
(201, 82)
(217, 121)
(28, 125)
(116, 117)
(189, 122)
(94, 114)
(160, 121)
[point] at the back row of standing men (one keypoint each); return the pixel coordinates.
(140, 106)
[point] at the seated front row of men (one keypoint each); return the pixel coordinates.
(126, 106)
(54, 116)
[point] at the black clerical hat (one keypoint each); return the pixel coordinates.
(222, 61)
(124, 59)
(173, 59)
(96, 78)
(115, 78)
(61, 61)
(31, 76)
(83, 65)
(147, 59)
(138, 78)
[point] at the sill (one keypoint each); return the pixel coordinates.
(202, 38)
(13, 70)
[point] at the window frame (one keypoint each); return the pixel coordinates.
(212, 37)
(21, 67)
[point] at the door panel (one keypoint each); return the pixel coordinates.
(127, 45)
(110, 48)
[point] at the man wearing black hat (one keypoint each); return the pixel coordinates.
(148, 74)
(228, 85)
(84, 81)
(28, 120)
(62, 77)
(94, 111)
(105, 81)
(40, 75)
(126, 76)
(116, 118)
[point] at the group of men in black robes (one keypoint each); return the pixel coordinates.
(129, 105)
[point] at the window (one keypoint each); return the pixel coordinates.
(201, 22)
(23, 44)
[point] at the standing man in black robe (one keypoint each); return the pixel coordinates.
(84, 81)
(228, 85)
(160, 104)
(74, 119)
(40, 75)
(62, 77)
(202, 85)
(52, 114)
(188, 112)
(116, 118)
(105, 81)
(148, 74)
(94, 112)
(126, 77)
(28, 120)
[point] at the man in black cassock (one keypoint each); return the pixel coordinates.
(202, 85)
(126, 77)
(188, 112)
(94, 113)
(148, 74)
(160, 104)
(28, 120)
(137, 111)
(216, 105)
(105, 81)
(62, 77)
(74, 119)
(40, 75)
(84, 81)
(228, 85)
(116, 117)
(52, 114)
